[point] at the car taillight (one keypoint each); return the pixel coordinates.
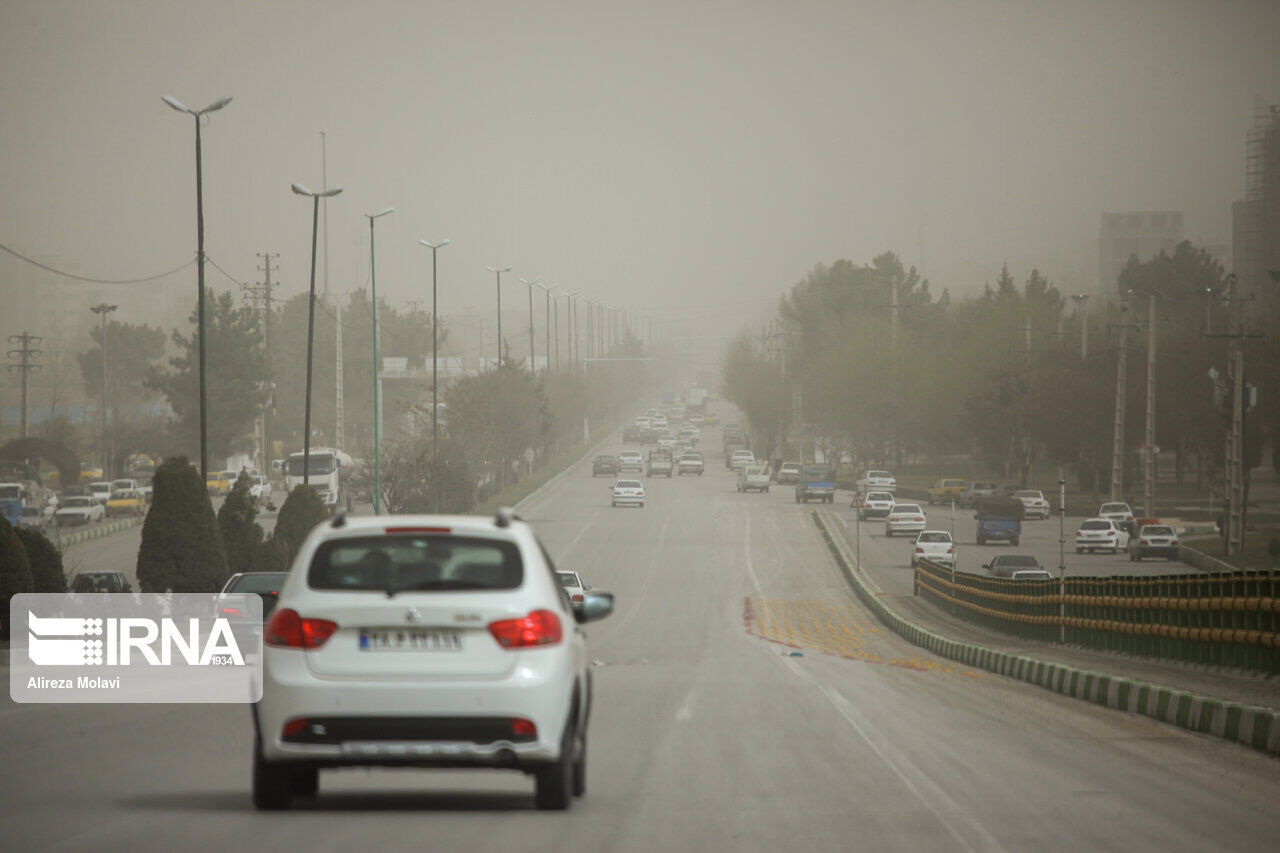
(951, 550)
(1143, 542)
(1111, 533)
(523, 728)
(287, 630)
(918, 519)
(539, 628)
(919, 550)
(229, 611)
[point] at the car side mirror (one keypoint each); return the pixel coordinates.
(594, 606)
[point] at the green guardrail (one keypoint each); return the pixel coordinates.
(1229, 619)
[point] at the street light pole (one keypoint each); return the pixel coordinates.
(548, 290)
(498, 272)
(104, 309)
(204, 425)
(529, 285)
(1080, 299)
(311, 321)
(377, 374)
(435, 331)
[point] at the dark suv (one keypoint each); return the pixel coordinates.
(605, 464)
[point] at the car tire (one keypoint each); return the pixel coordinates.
(1115, 551)
(272, 782)
(766, 490)
(1079, 550)
(580, 768)
(305, 781)
(1133, 557)
(553, 783)
(1014, 542)
(888, 533)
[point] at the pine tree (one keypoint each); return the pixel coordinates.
(181, 546)
(301, 512)
(15, 572)
(47, 572)
(241, 534)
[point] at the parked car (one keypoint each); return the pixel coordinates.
(450, 635)
(1034, 503)
(126, 502)
(904, 518)
(627, 493)
(877, 481)
(1101, 534)
(605, 464)
(79, 510)
(946, 490)
(630, 460)
(976, 490)
(874, 505)
(1154, 540)
(1006, 564)
(754, 478)
(935, 546)
(789, 473)
(691, 463)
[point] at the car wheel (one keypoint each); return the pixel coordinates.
(1079, 550)
(580, 767)
(1014, 542)
(272, 782)
(1115, 551)
(888, 532)
(553, 784)
(613, 504)
(305, 781)
(1133, 557)
(766, 490)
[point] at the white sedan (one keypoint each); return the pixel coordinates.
(935, 546)
(904, 518)
(1034, 503)
(874, 505)
(1101, 534)
(79, 510)
(630, 460)
(628, 492)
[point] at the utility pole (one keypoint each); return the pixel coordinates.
(25, 355)
(339, 416)
(1117, 444)
(263, 291)
(1149, 460)
(1235, 444)
(104, 309)
(1081, 299)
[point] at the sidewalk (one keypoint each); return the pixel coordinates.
(1235, 705)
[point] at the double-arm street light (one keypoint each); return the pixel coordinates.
(311, 321)
(529, 285)
(498, 272)
(548, 290)
(104, 309)
(182, 108)
(377, 374)
(435, 331)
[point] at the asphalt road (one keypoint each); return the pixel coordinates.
(744, 701)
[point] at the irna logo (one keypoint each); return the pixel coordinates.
(91, 641)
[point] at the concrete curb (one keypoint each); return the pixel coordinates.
(1251, 725)
(105, 528)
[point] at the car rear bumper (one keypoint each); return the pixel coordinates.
(910, 527)
(1167, 551)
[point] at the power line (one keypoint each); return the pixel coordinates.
(90, 279)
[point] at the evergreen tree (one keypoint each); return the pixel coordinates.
(241, 534)
(47, 573)
(303, 509)
(15, 572)
(181, 546)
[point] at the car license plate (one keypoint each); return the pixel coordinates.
(410, 640)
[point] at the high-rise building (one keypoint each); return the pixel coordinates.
(1143, 234)
(1255, 219)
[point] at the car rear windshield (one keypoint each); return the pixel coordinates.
(1157, 531)
(627, 484)
(1115, 507)
(934, 537)
(1096, 525)
(1019, 560)
(420, 563)
(883, 475)
(900, 508)
(1026, 494)
(819, 471)
(568, 579)
(265, 582)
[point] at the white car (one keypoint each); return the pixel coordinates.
(904, 518)
(741, 459)
(1033, 502)
(690, 463)
(572, 585)
(260, 488)
(79, 510)
(100, 491)
(424, 641)
(626, 492)
(875, 505)
(877, 481)
(630, 460)
(660, 422)
(1117, 512)
(1101, 534)
(935, 546)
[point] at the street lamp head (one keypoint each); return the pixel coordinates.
(216, 105)
(382, 212)
(329, 192)
(495, 269)
(528, 283)
(175, 103)
(103, 308)
(434, 246)
(301, 190)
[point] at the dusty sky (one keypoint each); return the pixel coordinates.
(674, 157)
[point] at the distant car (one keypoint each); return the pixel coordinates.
(126, 502)
(976, 490)
(789, 473)
(572, 585)
(100, 491)
(35, 518)
(1006, 564)
(1032, 575)
(219, 483)
(1119, 513)
(935, 546)
(1035, 503)
(904, 518)
(627, 492)
(754, 478)
(630, 460)
(877, 481)
(1154, 540)
(875, 505)
(710, 419)
(99, 582)
(260, 488)
(605, 464)
(691, 463)
(1101, 534)
(633, 435)
(79, 510)
(741, 459)
(946, 490)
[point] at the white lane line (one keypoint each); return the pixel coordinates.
(585, 527)
(949, 813)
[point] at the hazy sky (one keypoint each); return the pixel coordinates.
(668, 156)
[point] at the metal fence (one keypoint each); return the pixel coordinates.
(1229, 619)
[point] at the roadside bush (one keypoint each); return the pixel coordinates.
(47, 572)
(15, 572)
(303, 509)
(241, 534)
(181, 546)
